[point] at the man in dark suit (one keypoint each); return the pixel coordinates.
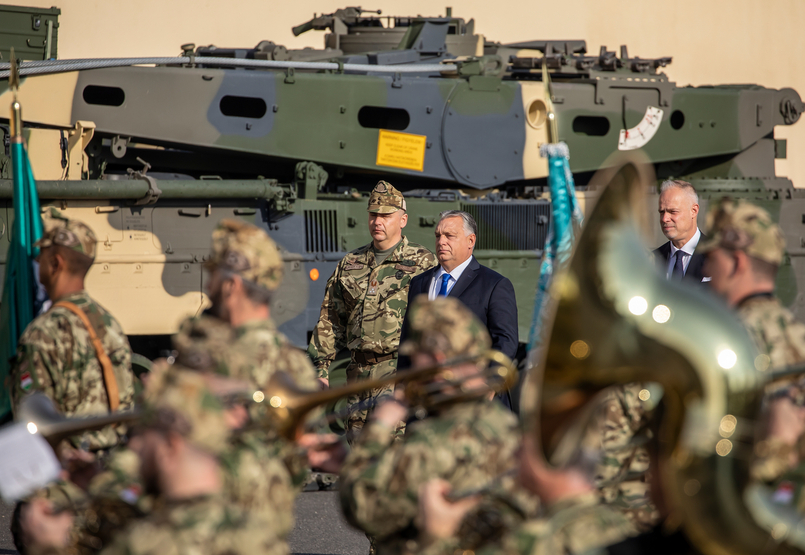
(679, 211)
(489, 295)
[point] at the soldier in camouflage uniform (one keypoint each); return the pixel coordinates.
(622, 474)
(744, 251)
(56, 355)
(572, 520)
(245, 269)
(468, 444)
(366, 298)
(179, 442)
(263, 472)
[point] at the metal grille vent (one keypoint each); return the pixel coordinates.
(510, 226)
(321, 231)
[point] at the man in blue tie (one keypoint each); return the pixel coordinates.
(679, 211)
(489, 295)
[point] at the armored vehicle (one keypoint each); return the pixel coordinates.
(152, 152)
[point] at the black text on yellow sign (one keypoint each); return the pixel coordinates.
(401, 150)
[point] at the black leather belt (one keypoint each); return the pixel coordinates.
(367, 358)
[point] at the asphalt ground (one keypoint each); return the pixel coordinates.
(320, 528)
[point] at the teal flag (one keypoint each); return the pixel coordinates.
(566, 219)
(20, 286)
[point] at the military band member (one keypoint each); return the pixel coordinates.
(573, 519)
(264, 471)
(744, 250)
(366, 299)
(179, 443)
(468, 444)
(56, 354)
(246, 269)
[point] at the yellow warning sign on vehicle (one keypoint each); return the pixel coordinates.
(401, 150)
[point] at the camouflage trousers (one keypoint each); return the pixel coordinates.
(360, 372)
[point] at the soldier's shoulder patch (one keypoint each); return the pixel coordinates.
(784, 494)
(26, 381)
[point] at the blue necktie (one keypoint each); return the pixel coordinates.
(445, 281)
(679, 265)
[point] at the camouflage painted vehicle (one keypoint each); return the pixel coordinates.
(294, 139)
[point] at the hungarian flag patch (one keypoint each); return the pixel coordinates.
(26, 381)
(784, 494)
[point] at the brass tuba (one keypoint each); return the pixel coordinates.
(617, 321)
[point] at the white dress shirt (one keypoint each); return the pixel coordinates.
(436, 282)
(687, 251)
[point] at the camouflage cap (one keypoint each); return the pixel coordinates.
(444, 325)
(181, 401)
(202, 344)
(385, 199)
(68, 233)
(248, 251)
(740, 225)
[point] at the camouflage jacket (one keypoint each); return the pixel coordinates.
(468, 445)
(781, 337)
(55, 356)
(202, 526)
(580, 525)
(261, 349)
(775, 330)
(257, 480)
(364, 303)
(622, 473)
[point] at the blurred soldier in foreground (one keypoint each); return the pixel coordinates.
(179, 442)
(468, 444)
(262, 473)
(744, 251)
(76, 352)
(622, 475)
(366, 299)
(573, 519)
(241, 341)
(245, 269)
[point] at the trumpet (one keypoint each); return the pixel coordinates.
(40, 416)
(289, 405)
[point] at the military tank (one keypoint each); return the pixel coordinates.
(152, 152)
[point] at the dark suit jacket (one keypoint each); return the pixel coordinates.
(695, 268)
(489, 296)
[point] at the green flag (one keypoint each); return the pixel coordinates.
(19, 301)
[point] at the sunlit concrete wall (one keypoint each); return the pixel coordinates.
(711, 41)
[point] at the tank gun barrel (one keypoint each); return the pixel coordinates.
(133, 189)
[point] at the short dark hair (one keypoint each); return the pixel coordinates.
(77, 263)
(763, 269)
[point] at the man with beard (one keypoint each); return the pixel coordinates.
(76, 352)
(245, 268)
